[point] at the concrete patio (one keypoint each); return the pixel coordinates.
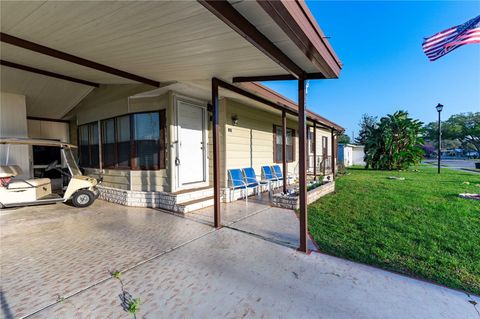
(56, 263)
(256, 217)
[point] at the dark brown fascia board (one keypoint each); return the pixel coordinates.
(269, 93)
(254, 97)
(314, 116)
(227, 13)
(263, 78)
(320, 120)
(35, 47)
(276, 105)
(47, 73)
(280, 77)
(319, 125)
(286, 15)
(316, 28)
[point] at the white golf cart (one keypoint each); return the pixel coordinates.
(81, 190)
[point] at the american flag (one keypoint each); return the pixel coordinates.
(448, 40)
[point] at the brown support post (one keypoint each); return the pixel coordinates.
(284, 150)
(315, 150)
(333, 153)
(302, 166)
(216, 161)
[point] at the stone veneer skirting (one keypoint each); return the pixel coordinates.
(139, 199)
(178, 203)
(292, 202)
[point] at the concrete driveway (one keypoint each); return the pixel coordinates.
(56, 263)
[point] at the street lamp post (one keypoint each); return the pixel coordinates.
(439, 108)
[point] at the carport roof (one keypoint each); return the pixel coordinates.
(158, 41)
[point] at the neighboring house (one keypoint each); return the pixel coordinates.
(351, 154)
(134, 81)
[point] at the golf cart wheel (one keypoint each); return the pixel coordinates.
(83, 198)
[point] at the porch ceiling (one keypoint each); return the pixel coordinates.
(45, 96)
(161, 41)
(164, 41)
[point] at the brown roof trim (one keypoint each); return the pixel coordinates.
(276, 97)
(47, 73)
(251, 94)
(319, 31)
(278, 77)
(296, 20)
(231, 17)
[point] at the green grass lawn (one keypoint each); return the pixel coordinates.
(418, 226)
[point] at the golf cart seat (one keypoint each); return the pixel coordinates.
(16, 170)
(7, 172)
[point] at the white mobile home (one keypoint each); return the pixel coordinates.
(161, 96)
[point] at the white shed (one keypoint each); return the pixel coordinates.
(351, 154)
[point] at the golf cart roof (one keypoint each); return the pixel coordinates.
(34, 141)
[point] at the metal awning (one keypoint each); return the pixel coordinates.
(149, 42)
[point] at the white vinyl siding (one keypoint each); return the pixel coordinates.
(250, 143)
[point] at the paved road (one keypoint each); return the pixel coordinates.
(455, 164)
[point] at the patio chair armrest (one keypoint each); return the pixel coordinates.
(239, 180)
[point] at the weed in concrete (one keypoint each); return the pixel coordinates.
(116, 274)
(129, 304)
(133, 306)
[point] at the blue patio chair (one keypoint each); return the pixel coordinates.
(251, 179)
(268, 175)
(277, 171)
(237, 181)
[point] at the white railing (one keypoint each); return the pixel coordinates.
(323, 164)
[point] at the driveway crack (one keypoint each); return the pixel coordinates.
(473, 303)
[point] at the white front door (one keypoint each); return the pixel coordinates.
(191, 151)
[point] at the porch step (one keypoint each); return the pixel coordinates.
(186, 196)
(195, 204)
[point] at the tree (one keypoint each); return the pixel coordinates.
(394, 142)
(429, 149)
(366, 123)
(343, 139)
(463, 128)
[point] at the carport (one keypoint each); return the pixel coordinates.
(57, 263)
(56, 62)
